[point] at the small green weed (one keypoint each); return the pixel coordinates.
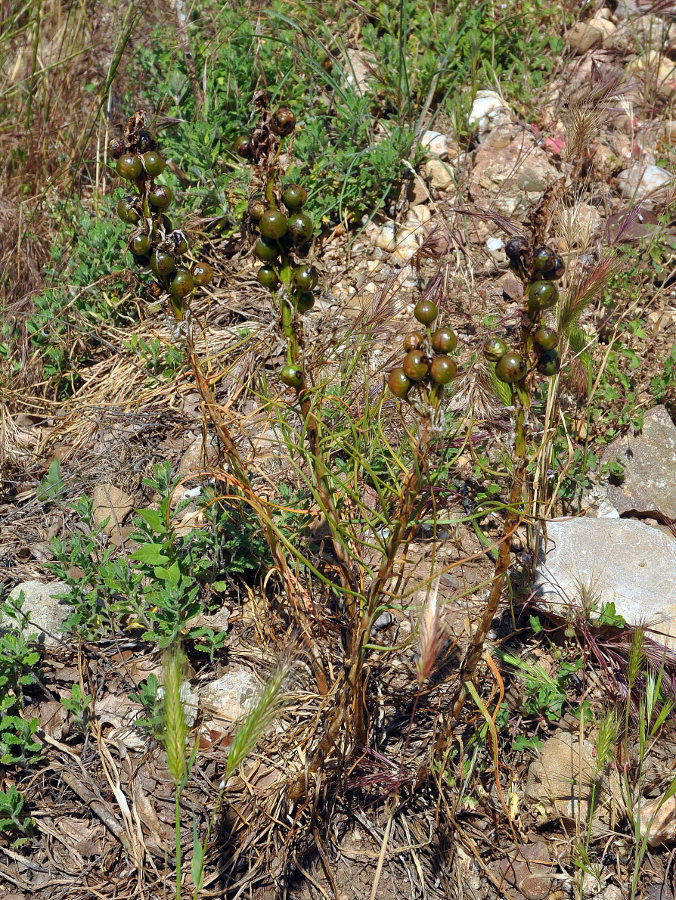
(78, 706)
(545, 695)
(149, 698)
(12, 816)
(52, 487)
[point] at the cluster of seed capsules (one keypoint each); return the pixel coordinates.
(283, 230)
(427, 363)
(153, 243)
(540, 269)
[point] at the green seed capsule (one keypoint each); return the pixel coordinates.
(129, 167)
(511, 368)
(549, 363)
(256, 210)
(202, 273)
(304, 277)
(160, 196)
(443, 369)
(266, 250)
(494, 348)
(140, 245)
(292, 376)
(305, 302)
(182, 283)
(162, 264)
(127, 211)
(153, 163)
(282, 121)
(273, 224)
(415, 365)
(543, 259)
(542, 294)
(425, 312)
(300, 227)
(557, 270)
(414, 341)
(294, 196)
(546, 338)
(267, 277)
(243, 147)
(399, 383)
(444, 340)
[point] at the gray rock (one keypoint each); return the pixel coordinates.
(232, 695)
(640, 181)
(649, 460)
(506, 177)
(44, 614)
(565, 779)
(620, 561)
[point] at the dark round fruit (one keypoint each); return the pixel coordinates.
(160, 196)
(546, 338)
(127, 211)
(162, 264)
(294, 196)
(202, 273)
(415, 365)
(146, 141)
(515, 247)
(494, 348)
(153, 163)
(414, 341)
(256, 210)
(115, 148)
(140, 245)
(273, 224)
(300, 227)
(443, 369)
(304, 277)
(243, 147)
(542, 294)
(399, 383)
(444, 340)
(267, 277)
(549, 363)
(425, 312)
(266, 250)
(292, 376)
(510, 368)
(141, 261)
(282, 121)
(305, 302)
(182, 283)
(557, 269)
(543, 259)
(129, 166)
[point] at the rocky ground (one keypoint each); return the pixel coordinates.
(529, 824)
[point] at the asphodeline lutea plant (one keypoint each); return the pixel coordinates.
(516, 363)
(154, 244)
(282, 231)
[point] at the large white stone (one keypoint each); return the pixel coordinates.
(639, 181)
(435, 142)
(44, 614)
(231, 696)
(620, 561)
(488, 110)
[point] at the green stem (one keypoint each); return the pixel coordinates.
(178, 843)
